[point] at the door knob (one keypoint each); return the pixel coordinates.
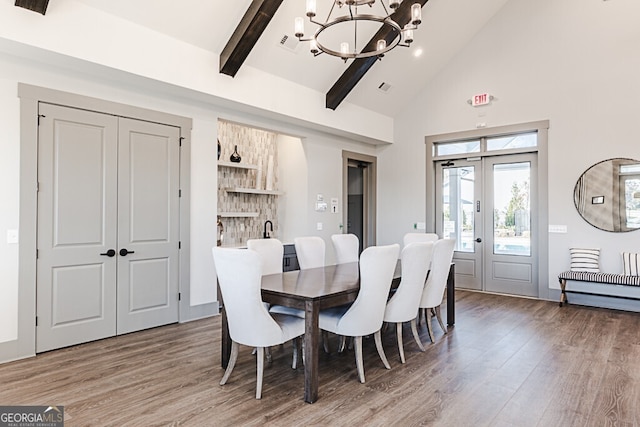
(124, 252)
(478, 240)
(110, 253)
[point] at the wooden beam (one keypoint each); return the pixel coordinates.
(359, 67)
(246, 35)
(39, 6)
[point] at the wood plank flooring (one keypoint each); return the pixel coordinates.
(508, 362)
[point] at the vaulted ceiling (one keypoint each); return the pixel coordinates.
(447, 26)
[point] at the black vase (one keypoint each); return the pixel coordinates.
(219, 149)
(235, 157)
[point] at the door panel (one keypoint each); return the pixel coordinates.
(148, 201)
(486, 205)
(77, 205)
(459, 184)
(511, 255)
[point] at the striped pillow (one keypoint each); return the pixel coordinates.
(631, 263)
(585, 260)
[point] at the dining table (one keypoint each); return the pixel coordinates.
(312, 290)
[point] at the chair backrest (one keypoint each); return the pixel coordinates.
(310, 251)
(271, 252)
(437, 281)
(364, 317)
(419, 237)
(403, 306)
(239, 275)
(347, 247)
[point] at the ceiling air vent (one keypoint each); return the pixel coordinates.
(384, 87)
(289, 43)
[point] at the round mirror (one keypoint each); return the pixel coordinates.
(607, 195)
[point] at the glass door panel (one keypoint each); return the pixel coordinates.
(458, 187)
(512, 209)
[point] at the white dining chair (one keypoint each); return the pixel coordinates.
(310, 251)
(271, 253)
(403, 305)
(419, 237)
(347, 248)
(364, 316)
(239, 275)
(433, 292)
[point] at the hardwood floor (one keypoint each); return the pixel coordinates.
(508, 362)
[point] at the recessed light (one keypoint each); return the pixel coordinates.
(418, 52)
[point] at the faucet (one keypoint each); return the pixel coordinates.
(267, 234)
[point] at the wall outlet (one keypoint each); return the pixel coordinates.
(319, 226)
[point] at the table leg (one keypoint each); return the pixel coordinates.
(311, 352)
(451, 296)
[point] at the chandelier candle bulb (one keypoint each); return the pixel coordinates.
(393, 4)
(311, 8)
(381, 44)
(344, 48)
(408, 34)
(313, 46)
(299, 27)
(416, 14)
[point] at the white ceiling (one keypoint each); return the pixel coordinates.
(447, 26)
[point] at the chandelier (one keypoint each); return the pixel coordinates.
(338, 35)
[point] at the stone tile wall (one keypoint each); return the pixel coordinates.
(254, 147)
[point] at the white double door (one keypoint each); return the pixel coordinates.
(486, 203)
(108, 226)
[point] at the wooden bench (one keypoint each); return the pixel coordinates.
(619, 280)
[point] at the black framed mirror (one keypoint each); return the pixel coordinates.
(607, 195)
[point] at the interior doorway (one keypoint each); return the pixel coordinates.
(359, 197)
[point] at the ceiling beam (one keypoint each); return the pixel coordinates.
(246, 35)
(39, 6)
(359, 67)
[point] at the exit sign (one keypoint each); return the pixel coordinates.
(480, 99)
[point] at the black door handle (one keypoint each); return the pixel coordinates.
(479, 240)
(110, 253)
(124, 252)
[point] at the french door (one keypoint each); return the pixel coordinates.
(485, 203)
(108, 226)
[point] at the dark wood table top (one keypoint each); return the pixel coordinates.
(314, 283)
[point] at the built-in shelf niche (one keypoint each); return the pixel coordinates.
(238, 214)
(237, 165)
(252, 191)
(243, 202)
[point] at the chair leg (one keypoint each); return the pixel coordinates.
(260, 372)
(359, 364)
(414, 330)
(439, 317)
(325, 342)
(267, 352)
(343, 343)
(231, 364)
(399, 337)
(427, 316)
(296, 352)
(378, 339)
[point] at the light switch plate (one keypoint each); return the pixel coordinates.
(319, 226)
(557, 228)
(12, 236)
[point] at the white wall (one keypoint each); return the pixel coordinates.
(318, 148)
(293, 181)
(74, 30)
(573, 62)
